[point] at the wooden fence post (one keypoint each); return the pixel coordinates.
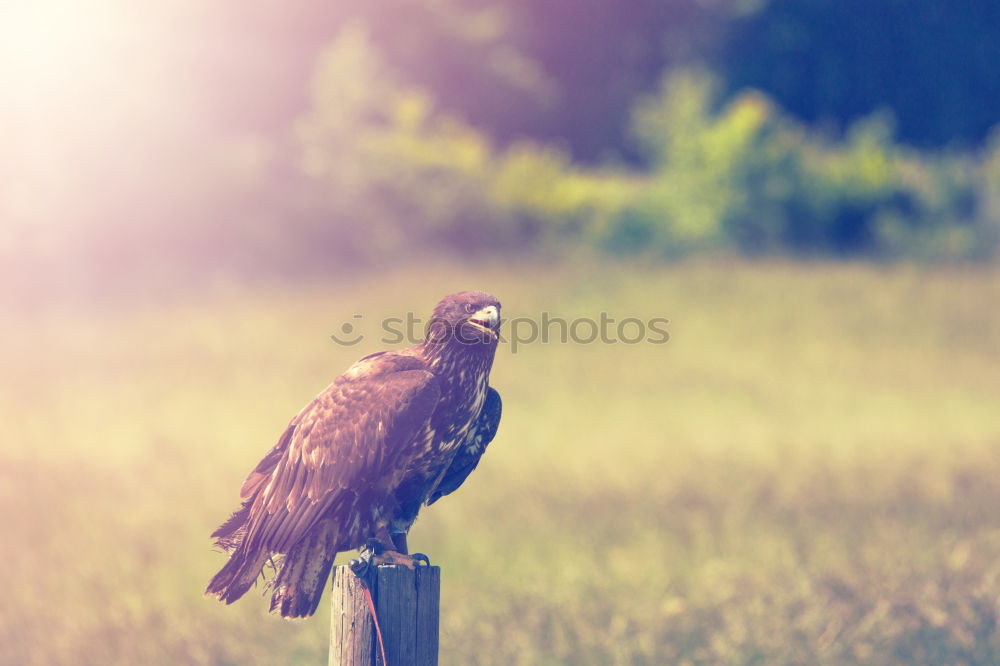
(408, 604)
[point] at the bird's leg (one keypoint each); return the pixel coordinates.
(385, 548)
(408, 560)
(397, 554)
(415, 559)
(383, 536)
(389, 554)
(399, 538)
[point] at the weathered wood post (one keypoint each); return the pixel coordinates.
(408, 604)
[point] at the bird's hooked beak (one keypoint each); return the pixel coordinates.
(486, 320)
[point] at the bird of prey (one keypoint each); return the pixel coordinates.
(396, 431)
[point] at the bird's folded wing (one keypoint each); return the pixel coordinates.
(341, 445)
(471, 450)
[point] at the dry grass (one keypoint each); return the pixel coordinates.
(807, 473)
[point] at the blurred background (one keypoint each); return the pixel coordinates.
(194, 196)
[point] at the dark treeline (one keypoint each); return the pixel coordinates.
(932, 64)
(570, 70)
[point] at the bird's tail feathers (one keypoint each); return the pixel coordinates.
(229, 535)
(303, 572)
(239, 574)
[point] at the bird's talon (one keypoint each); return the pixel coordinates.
(358, 567)
(364, 571)
(420, 560)
(364, 565)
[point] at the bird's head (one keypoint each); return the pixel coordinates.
(466, 317)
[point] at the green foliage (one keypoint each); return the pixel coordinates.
(545, 198)
(392, 173)
(743, 175)
(698, 159)
(383, 159)
(382, 152)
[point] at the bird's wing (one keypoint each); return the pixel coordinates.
(480, 435)
(230, 534)
(339, 446)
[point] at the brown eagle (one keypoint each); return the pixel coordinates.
(397, 431)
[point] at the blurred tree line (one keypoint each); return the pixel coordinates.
(571, 71)
(806, 126)
(363, 132)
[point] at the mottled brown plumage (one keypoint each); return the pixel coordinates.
(396, 431)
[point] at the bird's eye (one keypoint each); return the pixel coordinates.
(470, 308)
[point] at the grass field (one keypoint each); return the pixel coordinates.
(807, 473)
